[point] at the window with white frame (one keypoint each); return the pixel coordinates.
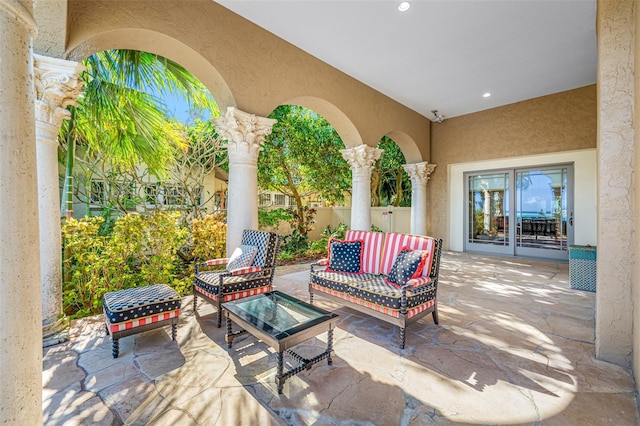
(264, 200)
(279, 200)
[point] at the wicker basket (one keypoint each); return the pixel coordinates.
(582, 267)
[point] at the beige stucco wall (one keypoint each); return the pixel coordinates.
(635, 289)
(617, 251)
(245, 66)
(560, 122)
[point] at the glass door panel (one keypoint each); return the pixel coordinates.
(542, 209)
(488, 225)
(536, 222)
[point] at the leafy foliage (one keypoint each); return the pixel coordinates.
(302, 220)
(390, 184)
(271, 218)
(121, 120)
(140, 250)
(302, 157)
(320, 246)
(209, 237)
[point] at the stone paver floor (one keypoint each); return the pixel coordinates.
(515, 345)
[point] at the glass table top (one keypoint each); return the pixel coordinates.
(278, 314)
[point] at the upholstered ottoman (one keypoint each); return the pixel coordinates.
(135, 310)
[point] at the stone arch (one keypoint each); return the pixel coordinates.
(344, 126)
(408, 146)
(163, 45)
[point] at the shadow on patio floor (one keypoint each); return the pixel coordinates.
(514, 346)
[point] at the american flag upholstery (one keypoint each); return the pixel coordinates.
(394, 242)
(134, 310)
(372, 249)
(369, 292)
(218, 286)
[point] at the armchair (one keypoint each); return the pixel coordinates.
(223, 285)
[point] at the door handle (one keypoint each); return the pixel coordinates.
(571, 219)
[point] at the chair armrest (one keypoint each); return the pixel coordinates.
(246, 270)
(212, 262)
(321, 262)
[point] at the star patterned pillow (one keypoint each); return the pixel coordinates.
(242, 257)
(345, 256)
(407, 265)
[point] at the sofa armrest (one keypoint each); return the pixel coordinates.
(321, 262)
(417, 282)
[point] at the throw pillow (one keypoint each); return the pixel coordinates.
(408, 264)
(345, 256)
(242, 257)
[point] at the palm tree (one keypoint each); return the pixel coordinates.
(121, 117)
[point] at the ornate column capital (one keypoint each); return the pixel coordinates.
(361, 158)
(244, 132)
(57, 86)
(419, 172)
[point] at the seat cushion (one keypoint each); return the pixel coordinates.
(210, 280)
(135, 303)
(374, 289)
(338, 281)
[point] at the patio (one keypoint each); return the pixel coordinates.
(515, 345)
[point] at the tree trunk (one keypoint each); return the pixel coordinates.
(66, 209)
(398, 188)
(375, 185)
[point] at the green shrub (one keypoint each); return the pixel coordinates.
(209, 237)
(140, 250)
(320, 245)
(271, 218)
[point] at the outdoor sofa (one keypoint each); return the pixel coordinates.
(384, 283)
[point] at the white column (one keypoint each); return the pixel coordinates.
(20, 310)
(361, 159)
(486, 211)
(419, 174)
(57, 86)
(245, 134)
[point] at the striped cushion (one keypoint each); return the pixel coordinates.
(139, 322)
(394, 242)
(371, 251)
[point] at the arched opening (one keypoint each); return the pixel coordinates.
(163, 45)
(338, 119)
(301, 173)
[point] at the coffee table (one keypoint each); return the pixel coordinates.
(281, 321)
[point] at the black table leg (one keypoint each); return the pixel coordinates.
(279, 376)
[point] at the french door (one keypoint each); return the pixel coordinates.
(520, 212)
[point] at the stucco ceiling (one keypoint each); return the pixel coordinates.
(443, 54)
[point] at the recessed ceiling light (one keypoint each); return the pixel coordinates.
(486, 94)
(404, 6)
